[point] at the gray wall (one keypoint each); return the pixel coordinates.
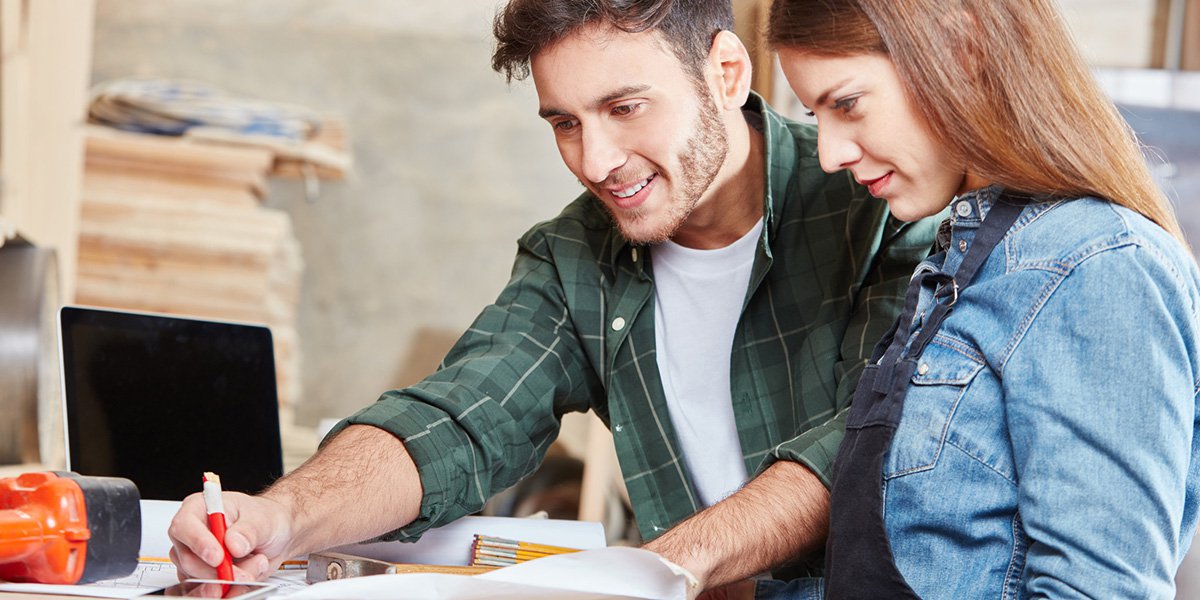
(452, 164)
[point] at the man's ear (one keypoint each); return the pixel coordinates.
(729, 61)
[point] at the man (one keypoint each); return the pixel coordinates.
(711, 296)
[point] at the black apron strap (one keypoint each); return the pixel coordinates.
(858, 557)
(999, 220)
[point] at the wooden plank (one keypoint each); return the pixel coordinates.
(180, 152)
(162, 297)
(1191, 37)
(100, 182)
(164, 156)
(60, 46)
(235, 284)
(1158, 33)
(15, 124)
(255, 182)
(150, 224)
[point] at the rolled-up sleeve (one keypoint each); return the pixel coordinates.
(485, 419)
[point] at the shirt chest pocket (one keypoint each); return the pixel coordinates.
(943, 376)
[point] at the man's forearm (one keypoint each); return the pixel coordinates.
(362, 484)
(779, 516)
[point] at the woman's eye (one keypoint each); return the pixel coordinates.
(846, 104)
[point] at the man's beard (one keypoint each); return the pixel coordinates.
(699, 163)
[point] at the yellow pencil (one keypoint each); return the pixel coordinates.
(510, 554)
(514, 544)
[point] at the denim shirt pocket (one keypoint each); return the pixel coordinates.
(944, 372)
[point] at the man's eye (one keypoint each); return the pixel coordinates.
(625, 110)
(565, 126)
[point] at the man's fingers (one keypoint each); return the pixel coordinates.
(189, 566)
(255, 567)
(189, 533)
(237, 543)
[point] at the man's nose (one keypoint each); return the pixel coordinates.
(835, 149)
(602, 154)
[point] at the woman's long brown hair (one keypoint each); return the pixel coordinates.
(1002, 86)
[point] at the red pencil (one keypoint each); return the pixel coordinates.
(216, 522)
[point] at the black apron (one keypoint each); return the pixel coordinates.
(858, 558)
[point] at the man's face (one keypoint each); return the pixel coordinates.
(632, 126)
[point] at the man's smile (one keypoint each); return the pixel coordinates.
(630, 196)
(633, 189)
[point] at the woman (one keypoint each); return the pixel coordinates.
(1028, 429)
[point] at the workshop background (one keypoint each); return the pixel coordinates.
(369, 247)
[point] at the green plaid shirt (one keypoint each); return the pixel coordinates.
(574, 330)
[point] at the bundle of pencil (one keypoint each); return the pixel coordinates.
(499, 552)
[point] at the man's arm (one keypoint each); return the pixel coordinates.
(474, 428)
(360, 485)
(779, 515)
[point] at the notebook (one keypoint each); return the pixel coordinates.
(160, 399)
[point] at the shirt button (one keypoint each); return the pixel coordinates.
(962, 245)
(633, 253)
(923, 369)
(618, 324)
(963, 209)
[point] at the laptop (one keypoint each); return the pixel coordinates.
(161, 399)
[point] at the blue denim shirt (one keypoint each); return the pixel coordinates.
(1047, 443)
(1047, 446)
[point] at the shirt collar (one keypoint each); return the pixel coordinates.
(967, 212)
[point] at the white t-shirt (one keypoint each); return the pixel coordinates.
(698, 297)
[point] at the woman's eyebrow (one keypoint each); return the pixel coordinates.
(828, 92)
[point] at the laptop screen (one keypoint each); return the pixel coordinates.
(160, 400)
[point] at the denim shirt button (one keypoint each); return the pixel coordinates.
(963, 209)
(962, 245)
(923, 369)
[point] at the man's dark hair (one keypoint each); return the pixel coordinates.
(524, 27)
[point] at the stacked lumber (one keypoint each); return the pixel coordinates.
(175, 226)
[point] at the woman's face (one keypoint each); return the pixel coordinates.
(866, 123)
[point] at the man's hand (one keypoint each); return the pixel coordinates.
(362, 484)
(777, 517)
(258, 536)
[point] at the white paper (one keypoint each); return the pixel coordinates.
(156, 518)
(604, 574)
(149, 575)
(70, 590)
